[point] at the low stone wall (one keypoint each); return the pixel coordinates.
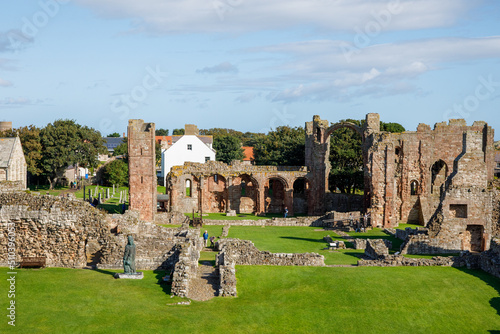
(376, 249)
(227, 283)
(359, 243)
(490, 260)
(403, 234)
(185, 269)
(401, 261)
(316, 221)
(9, 186)
(234, 252)
(423, 244)
(243, 252)
(171, 218)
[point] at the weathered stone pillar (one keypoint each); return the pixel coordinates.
(289, 201)
(229, 184)
(261, 208)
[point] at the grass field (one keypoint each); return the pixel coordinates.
(271, 300)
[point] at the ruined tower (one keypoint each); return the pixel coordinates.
(141, 168)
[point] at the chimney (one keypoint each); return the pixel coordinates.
(191, 130)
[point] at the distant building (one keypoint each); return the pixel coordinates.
(112, 142)
(248, 155)
(12, 162)
(73, 173)
(497, 164)
(190, 147)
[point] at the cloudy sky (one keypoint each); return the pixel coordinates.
(250, 65)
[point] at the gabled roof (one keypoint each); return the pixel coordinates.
(247, 153)
(112, 142)
(6, 149)
(208, 140)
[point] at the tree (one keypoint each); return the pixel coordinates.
(65, 143)
(178, 132)
(114, 134)
(121, 149)
(346, 159)
(284, 146)
(116, 172)
(228, 148)
(32, 148)
(161, 132)
(391, 127)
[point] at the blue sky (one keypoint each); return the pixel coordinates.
(248, 65)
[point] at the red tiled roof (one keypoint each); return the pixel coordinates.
(248, 153)
(160, 139)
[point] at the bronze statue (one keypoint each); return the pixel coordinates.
(129, 257)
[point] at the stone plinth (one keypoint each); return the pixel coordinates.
(139, 275)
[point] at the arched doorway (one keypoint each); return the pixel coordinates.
(346, 181)
(214, 199)
(243, 194)
(439, 172)
(274, 192)
(300, 195)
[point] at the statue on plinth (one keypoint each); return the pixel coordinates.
(129, 257)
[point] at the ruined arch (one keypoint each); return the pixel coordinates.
(340, 125)
(439, 174)
(300, 195)
(274, 194)
(215, 194)
(244, 193)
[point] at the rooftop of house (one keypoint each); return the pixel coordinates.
(112, 142)
(6, 148)
(247, 153)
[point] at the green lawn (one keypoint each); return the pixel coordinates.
(271, 300)
(241, 216)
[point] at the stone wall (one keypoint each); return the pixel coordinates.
(295, 221)
(376, 249)
(71, 233)
(234, 252)
(8, 186)
(243, 252)
(185, 268)
(401, 261)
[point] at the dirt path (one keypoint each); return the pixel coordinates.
(204, 286)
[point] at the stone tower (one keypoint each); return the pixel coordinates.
(141, 168)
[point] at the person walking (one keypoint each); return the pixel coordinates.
(286, 212)
(205, 237)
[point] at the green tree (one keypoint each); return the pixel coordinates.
(114, 134)
(228, 148)
(64, 143)
(284, 146)
(32, 148)
(346, 159)
(391, 127)
(161, 132)
(121, 149)
(178, 132)
(116, 172)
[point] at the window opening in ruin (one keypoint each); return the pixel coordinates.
(318, 134)
(458, 210)
(414, 187)
(216, 177)
(141, 152)
(439, 173)
(188, 188)
(189, 147)
(142, 179)
(271, 184)
(243, 188)
(208, 159)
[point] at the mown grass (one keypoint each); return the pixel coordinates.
(270, 300)
(241, 216)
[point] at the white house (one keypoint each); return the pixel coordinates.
(12, 162)
(180, 149)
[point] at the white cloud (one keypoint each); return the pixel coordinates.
(225, 67)
(21, 101)
(236, 16)
(5, 83)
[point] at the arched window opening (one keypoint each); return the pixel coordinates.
(189, 188)
(414, 188)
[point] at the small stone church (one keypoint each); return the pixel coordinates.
(13, 169)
